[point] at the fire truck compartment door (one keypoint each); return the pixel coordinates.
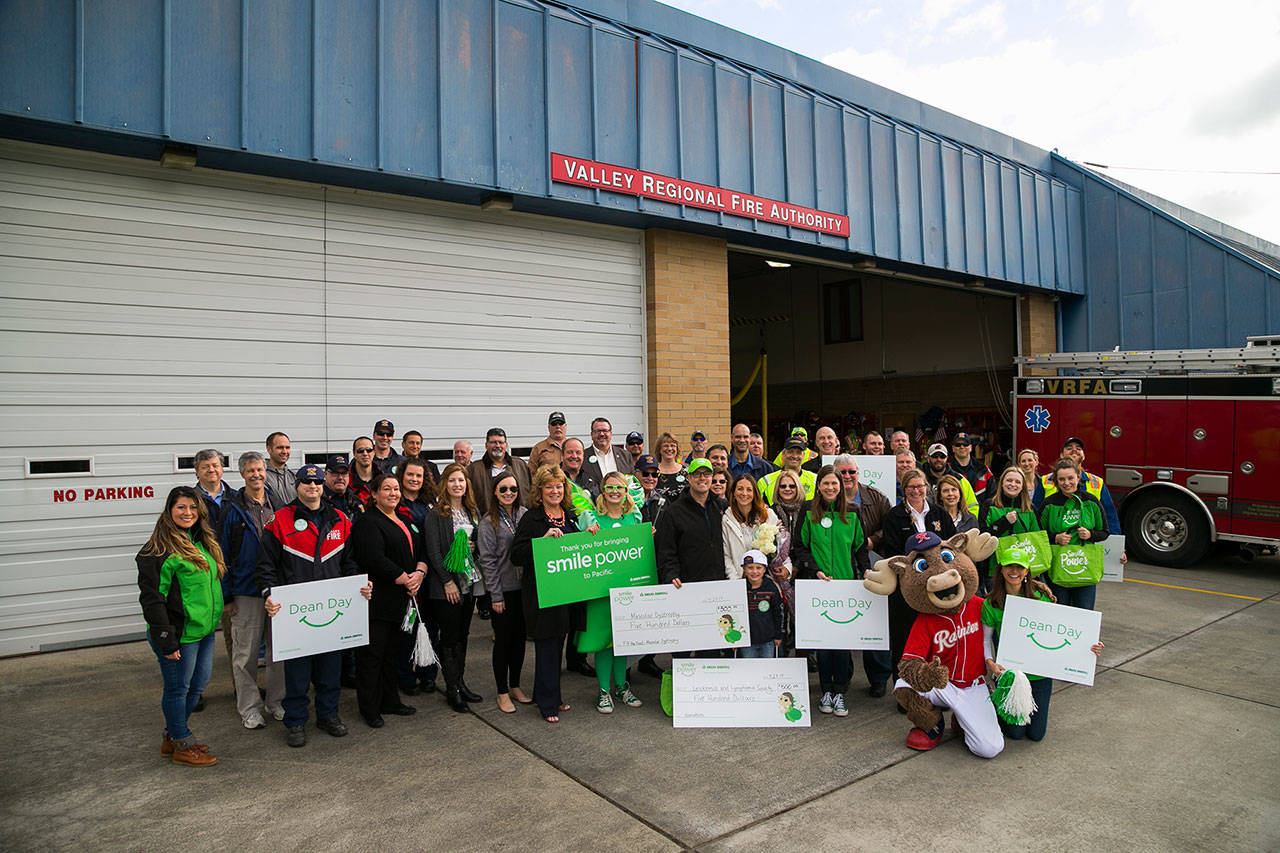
(1208, 484)
(1211, 427)
(1255, 502)
(1126, 427)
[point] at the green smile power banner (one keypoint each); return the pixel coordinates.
(580, 567)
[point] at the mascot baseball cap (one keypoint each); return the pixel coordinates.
(923, 542)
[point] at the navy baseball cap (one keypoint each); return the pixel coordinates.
(795, 443)
(384, 426)
(1073, 440)
(961, 438)
(310, 474)
(646, 463)
(337, 463)
(633, 437)
(923, 542)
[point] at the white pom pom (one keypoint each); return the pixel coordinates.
(423, 653)
(1019, 703)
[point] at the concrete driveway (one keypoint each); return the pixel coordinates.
(1175, 747)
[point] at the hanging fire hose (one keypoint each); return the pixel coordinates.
(762, 370)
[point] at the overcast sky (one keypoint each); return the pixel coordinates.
(1160, 84)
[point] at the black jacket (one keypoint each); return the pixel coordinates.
(347, 502)
(898, 527)
(689, 541)
(542, 623)
(382, 551)
(435, 541)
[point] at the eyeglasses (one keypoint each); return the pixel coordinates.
(364, 450)
(384, 434)
(916, 488)
(614, 489)
(504, 490)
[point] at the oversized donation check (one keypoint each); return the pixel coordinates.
(698, 616)
(1112, 549)
(319, 616)
(1051, 640)
(765, 692)
(840, 615)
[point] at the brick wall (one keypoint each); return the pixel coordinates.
(687, 302)
(1039, 327)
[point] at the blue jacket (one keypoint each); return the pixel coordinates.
(239, 540)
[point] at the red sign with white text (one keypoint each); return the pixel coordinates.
(620, 179)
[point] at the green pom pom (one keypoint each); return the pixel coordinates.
(1012, 698)
(458, 560)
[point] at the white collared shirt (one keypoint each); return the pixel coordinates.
(605, 460)
(917, 518)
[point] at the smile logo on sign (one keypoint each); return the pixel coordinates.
(825, 615)
(625, 598)
(1073, 562)
(687, 669)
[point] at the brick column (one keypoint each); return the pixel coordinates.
(687, 317)
(1039, 328)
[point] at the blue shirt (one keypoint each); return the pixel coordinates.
(754, 465)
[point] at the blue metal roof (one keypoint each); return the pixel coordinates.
(453, 98)
(1156, 281)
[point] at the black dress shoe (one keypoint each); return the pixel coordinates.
(427, 687)
(456, 702)
(401, 710)
(876, 690)
(469, 694)
(483, 614)
(648, 667)
(375, 722)
(586, 669)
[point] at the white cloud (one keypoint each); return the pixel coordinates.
(987, 23)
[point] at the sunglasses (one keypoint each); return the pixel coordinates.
(848, 473)
(647, 473)
(313, 482)
(364, 450)
(505, 490)
(384, 434)
(636, 441)
(788, 486)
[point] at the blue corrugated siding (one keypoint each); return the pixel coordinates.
(1156, 283)
(476, 93)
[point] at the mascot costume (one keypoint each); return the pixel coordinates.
(943, 665)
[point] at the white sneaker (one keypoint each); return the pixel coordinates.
(278, 713)
(837, 700)
(254, 721)
(825, 705)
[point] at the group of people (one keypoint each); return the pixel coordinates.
(459, 540)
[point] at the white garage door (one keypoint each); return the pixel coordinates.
(147, 313)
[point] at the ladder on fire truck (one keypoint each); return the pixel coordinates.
(1261, 354)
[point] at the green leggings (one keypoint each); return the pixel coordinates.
(607, 664)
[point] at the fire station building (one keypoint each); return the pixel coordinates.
(221, 219)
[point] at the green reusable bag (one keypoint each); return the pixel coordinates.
(1025, 549)
(664, 697)
(1076, 565)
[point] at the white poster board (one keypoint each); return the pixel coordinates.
(880, 473)
(1112, 550)
(699, 616)
(1052, 640)
(319, 616)
(746, 693)
(840, 615)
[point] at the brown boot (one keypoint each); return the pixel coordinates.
(166, 745)
(184, 753)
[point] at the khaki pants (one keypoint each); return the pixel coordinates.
(248, 627)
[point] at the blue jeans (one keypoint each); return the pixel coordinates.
(1042, 692)
(1075, 596)
(762, 650)
(184, 681)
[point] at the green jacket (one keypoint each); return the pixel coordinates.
(832, 549)
(1064, 513)
(201, 593)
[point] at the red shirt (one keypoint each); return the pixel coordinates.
(954, 640)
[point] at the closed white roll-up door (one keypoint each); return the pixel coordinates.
(149, 313)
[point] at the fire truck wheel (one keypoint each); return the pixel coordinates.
(1166, 528)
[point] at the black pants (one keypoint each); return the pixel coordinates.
(508, 641)
(407, 674)
(546, 675)
(376, 669)
(835, 668)
(901, 618)
(324, 670)
(455, 626)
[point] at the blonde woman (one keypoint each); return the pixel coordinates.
(180, 590)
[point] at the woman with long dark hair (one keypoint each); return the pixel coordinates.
(454, 581)
(496, 532)
(550, 514)
(417, 494)
(384, 549)
(179, 584)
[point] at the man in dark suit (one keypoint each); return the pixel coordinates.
(603, 457)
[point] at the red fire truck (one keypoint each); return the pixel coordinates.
(1187, 441)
